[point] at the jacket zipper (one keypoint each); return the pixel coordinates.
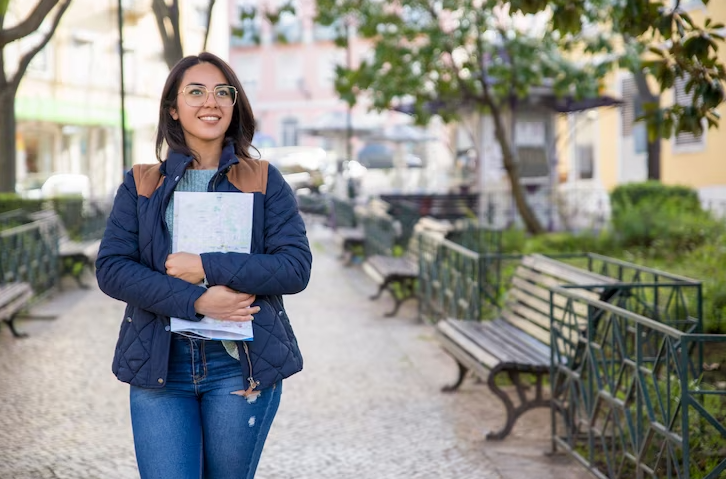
(251, 379)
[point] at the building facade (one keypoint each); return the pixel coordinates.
(609, 147)
(68, 104)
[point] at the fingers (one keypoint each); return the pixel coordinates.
(245, 315)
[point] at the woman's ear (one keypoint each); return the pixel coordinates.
(173, 113)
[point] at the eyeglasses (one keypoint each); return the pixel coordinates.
(196, 95)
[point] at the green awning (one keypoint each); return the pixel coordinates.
(65, 112)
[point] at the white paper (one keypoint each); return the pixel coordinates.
(207, 222)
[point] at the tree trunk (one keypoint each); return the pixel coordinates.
(530, 219)
(7, 140)
(646, 96)
(654, 159)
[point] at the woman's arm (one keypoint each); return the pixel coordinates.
(284, 268)
(120, 273)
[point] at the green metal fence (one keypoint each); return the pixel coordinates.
(449, 280)
(628, 396)
(29, 253)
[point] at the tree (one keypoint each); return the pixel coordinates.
(167, 21)
(443, 55)
(9, 83)
(658, 42)
(449, 56)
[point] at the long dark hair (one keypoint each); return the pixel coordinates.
(241, 128)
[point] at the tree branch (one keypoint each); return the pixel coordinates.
(29, 25)
(172, 45)
(209, 23)
(28, 57)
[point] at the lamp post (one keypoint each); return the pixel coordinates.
(124, 148)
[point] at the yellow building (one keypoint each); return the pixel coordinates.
(605, 148)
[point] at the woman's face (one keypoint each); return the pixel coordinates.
(206, 121)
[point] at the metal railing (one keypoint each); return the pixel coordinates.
(29, 253)
(449, 281)
(627, 399)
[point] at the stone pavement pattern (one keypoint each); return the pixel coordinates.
(366, 406)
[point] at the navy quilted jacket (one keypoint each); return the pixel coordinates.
(130, 268)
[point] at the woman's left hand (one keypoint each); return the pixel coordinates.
(186, 266)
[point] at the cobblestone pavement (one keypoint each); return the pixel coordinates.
(366, 406)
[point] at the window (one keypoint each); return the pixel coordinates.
(326, 67)
(631, 109)
(288, 71)
(288, 28)
(248, 70)
(686, 140)
(289, 132)
(247, 29)
(532, 162)
(81, 60)
(327, 33)
(584, 161)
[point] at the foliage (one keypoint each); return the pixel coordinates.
(657, 37)
(661, 220)
(570, 243)
(632, 194)
(450, 58)
(11, 201)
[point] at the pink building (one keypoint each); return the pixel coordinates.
(288, 72)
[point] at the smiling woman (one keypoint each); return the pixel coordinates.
(192, 398)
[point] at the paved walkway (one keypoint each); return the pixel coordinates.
(366, 406)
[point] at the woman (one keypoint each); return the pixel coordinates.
(203, 408)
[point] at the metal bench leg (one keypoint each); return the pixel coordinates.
(11, 324)
(462, 374)
(409, 293)
(513, 413)
(380, 291)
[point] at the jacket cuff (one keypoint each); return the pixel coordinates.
(192, 314)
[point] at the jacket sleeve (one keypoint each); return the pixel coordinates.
(284, 268)
(120, 273)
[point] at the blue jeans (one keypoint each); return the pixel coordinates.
(194, 427)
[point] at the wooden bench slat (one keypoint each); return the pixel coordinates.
(526, 325)
(471, 347)
(571, 274)
(550, 281)
(503, 346)
(543, 294)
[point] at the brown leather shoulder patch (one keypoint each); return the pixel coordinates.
(249, 176)
(147, 178)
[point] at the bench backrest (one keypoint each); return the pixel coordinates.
(527, 305)
(343, 214)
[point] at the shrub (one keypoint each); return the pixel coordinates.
(627, 196)
(569, 243)
(11, 201)
(660, 220)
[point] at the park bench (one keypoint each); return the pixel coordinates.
(14, 297)
(517, 342)
(75, 256)
(445, 206)
(348, 234)
(396, 274)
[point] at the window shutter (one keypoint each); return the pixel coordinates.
(627, 110)
(684, 98)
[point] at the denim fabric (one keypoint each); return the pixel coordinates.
(194, 427)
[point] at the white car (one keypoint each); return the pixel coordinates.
(65, 184)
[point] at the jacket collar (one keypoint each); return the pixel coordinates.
(176, 163)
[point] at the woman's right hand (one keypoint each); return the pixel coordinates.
(226, 304)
